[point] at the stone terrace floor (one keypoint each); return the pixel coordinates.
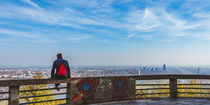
(161, 102)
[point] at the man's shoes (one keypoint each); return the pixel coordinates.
(56, 87)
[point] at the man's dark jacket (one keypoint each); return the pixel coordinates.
(56, 65)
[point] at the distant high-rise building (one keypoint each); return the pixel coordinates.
(198, 71)
(144, 68)
(164, 67)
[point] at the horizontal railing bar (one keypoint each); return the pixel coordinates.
(161, 97)
(42, 101)
(152, 88)
(192, 93)
(140, 77)
(32, 82)
(42, 95)
(4, 99)
(193, 88)
(150, 84)
(193, 84)
(162, 76)
(152, 93)
(43, 89)
(194, 97)
(170, 98)
(4, 92)
(170, 76)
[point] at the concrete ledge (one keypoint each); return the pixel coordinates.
(140, 77)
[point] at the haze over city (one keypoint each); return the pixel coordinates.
(105, 32)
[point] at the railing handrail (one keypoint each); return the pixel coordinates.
(31, 82)
(139, 77)
(171, 76)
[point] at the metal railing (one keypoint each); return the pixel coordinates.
(41, 96)
(171, 88)
(4, 95)
(15, 91)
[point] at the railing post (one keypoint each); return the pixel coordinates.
(14, 95)
(132, 89)
(68, 95)
(173, 88)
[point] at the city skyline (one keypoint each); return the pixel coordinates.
(105, 32)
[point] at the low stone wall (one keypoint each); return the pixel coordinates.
(104, 89)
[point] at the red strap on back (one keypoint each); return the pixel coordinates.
(62, 70)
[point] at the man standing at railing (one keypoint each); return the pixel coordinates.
(60, 69)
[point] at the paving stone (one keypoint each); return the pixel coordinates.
(161, 102)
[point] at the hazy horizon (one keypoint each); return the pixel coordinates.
(50, 66)
(105, 32)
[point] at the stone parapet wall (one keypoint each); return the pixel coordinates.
(104, 89)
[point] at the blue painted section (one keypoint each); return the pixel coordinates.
(120, 83)
(85, 86)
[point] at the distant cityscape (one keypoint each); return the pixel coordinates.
(8, 73)
(13, 73)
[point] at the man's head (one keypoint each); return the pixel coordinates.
(59, 55)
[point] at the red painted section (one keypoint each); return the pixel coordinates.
(88, 93)
(77, 97)
(119, 91)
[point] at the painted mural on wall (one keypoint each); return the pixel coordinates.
(120, 86)
(86, 88)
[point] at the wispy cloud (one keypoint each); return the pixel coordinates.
(31, 3)
(142, 20)
(131, 35)
(17, 36)
(157, 22)
(202, 15)
(17, 33)
(77, 38)
(64, 18)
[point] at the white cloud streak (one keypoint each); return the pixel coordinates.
(131, 35)
(17, 33)
(31, 3)
(78, 38)
(64, 18)
(157, 22)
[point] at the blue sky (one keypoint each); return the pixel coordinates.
(105, 32)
